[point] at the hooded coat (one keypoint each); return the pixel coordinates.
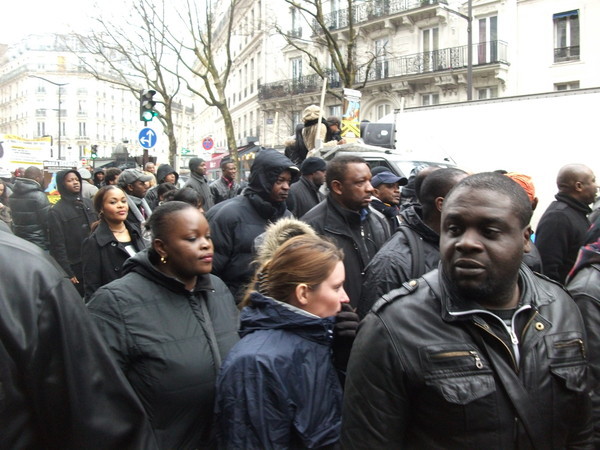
(236, 223)
(169, 342)
(161, 173)
(278, 387)
(29, 207)
(69, 223)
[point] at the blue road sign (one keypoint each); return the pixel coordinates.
(147, 137)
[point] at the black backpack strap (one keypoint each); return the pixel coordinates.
(416, 250)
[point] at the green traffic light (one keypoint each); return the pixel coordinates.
(147, 115)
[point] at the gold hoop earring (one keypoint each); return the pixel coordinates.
(163, 259)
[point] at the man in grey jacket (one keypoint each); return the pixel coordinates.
(198, 181)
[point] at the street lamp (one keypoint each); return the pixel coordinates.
(60, 85)
(469, 19)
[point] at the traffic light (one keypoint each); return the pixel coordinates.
(94, 153)
(147, 111)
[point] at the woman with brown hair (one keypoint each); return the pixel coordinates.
(278, 387)
(112, 242)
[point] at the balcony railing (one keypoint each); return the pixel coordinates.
(302, 85)
(566, 54)
(364, 12)
(435, 61)
(493, 52)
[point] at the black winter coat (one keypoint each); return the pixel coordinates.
(559, 235)
(329, 219)
(170, 343)
(392, 265)
(426, 371)
(200, 185)
(235, 223)
(30, 205)
(104, 256)
(69, 223)
(59, 385)
(304, 196)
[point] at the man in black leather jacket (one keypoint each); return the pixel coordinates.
(59, 386)
(482, 353)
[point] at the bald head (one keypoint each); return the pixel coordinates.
(577, 181)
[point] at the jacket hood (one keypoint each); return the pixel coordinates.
(141, 263)
(588, 255)
(278, 233)
(60, 184)
(268, 314)
(267, 166)
(25, 185)
(164, 170)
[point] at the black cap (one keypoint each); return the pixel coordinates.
(312, 165)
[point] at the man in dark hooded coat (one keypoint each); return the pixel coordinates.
(165, 174)
(236, 222)
(69, 223)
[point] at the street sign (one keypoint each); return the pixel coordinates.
(185, 151)
(147, 137)
(208, 143)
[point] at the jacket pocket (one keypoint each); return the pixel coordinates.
(460, 374)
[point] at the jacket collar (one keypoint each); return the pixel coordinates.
(573, 203)
(533, 295)
(104, 236)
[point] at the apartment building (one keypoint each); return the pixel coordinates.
(409, 53)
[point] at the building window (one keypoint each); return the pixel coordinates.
(566, 36)
(566, 86)
(488, 92)
(82, 129)
(381, 58)
(296, 119)
(296, 69)
(296, 30)
(430, 44)
(336, 111)
(41, 128)
(487, 46)
(383, 110)
(430, 99)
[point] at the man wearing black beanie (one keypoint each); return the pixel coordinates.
(198, 182)
(305, 193)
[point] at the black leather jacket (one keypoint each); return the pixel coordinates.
(221, 191)
(59, 385)
(425, 372)
(30, 207)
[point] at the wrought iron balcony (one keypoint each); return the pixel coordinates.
(364, 12)
(435, 61)
(566, 53)
(296, 86)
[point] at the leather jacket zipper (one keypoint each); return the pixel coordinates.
(486, 328)
(571, 343)
(457, 354)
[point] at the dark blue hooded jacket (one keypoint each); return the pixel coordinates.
(278, 387)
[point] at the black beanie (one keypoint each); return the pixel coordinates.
(312, 165)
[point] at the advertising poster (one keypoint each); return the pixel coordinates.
(351, 114)
(18, 152)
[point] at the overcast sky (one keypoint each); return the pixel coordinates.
(24, 17)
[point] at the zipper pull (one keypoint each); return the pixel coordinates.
(477, 359)
(513, 337)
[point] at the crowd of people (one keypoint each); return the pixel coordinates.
(317, 305)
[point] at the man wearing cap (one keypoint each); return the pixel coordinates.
(305, 193)
(198, 182)
(134, 183)
(88, 190)
(346, 218)
(399, 261)
(235, 223)
(386, 196)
